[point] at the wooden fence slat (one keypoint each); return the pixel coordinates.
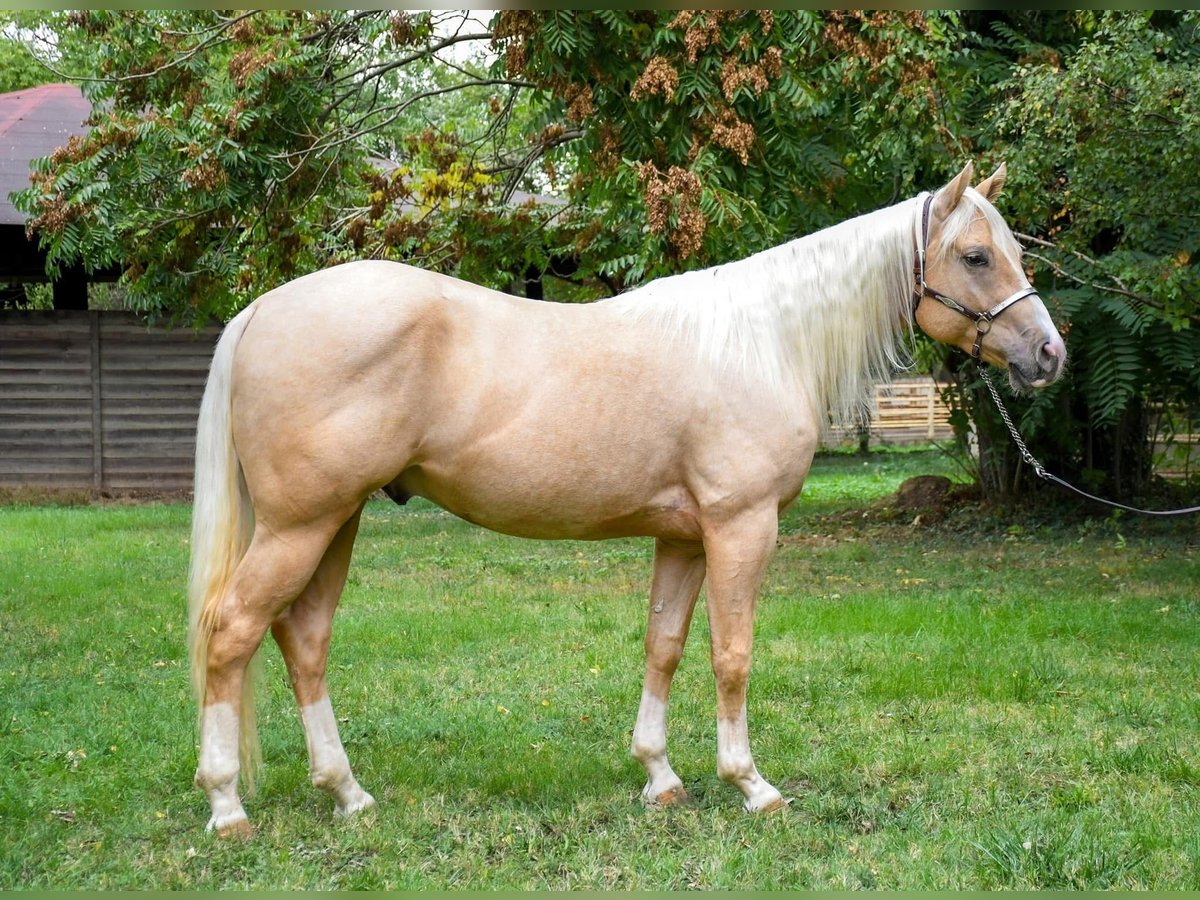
(906, 411)
(97, 405)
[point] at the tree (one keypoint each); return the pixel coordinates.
(232, 152)
(730, 131)
(18, 68)
(1108, 133)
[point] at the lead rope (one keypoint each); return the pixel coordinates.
(1041, 472)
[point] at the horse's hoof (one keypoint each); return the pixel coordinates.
(359, 805)
(238, 830)
(676, 796)
(776, 805)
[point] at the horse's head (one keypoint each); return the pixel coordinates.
(975, 292)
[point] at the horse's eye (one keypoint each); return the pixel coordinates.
(976, 259)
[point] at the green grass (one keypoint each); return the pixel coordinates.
(990, 703)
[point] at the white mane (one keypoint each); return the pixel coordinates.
(829, 314)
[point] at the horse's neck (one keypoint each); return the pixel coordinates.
(820, 316)
(837, 301)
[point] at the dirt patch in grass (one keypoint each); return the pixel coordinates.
(935, 507)
(924, 501)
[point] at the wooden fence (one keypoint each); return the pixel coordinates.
(97, 400)
(911, 409)
(907, 411)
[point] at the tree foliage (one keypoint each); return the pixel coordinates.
(730, 131)
(238, 145)
(1107, 132)
(231, 152)
(19, 69)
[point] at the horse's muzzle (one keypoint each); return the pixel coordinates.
(1047, 360)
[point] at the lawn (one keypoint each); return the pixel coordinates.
(995, 701)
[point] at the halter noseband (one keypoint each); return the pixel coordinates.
(983, 320)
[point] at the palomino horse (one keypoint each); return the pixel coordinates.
(687, 411)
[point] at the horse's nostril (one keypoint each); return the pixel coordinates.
(1051, 355)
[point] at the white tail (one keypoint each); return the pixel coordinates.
(222, 526)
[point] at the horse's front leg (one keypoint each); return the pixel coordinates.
(737, 552)
(678, 573)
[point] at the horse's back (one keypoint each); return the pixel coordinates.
(361, 302)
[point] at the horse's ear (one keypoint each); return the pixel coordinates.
(947, 198)
(990, 187)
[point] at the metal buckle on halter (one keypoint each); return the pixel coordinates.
(982, 326)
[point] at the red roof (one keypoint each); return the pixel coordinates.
(34, 123)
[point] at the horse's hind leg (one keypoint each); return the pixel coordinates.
(678, 573)
(276, 567)
(302, 632)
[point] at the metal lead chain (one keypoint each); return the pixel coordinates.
(1041, 472)
(1029, 458)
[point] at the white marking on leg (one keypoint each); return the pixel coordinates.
(650, 748)
(736, 765)
(217, 772)
(328, 765)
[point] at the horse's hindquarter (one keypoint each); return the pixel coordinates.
(531, 418)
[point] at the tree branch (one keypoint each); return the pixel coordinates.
(368, 72)
(1119, 290)
(521, 166)
(393, 111)
(1042, 242)
(225, 25)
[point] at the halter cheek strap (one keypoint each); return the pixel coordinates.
(983, 320)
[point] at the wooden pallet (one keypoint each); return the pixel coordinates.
(906, 411)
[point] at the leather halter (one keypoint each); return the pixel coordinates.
(983, 320)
